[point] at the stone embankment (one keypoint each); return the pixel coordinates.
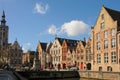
(100, 75)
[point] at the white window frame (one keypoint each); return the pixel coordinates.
(113, 43)
(98, 46)
(113, 57)
(106, 34)
(105, 44)
(98, 58)
(113, 32)
(105, 57)
(102, 25)
(98, 36)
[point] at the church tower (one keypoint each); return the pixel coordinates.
(3, 32)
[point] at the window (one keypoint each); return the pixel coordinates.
(102, 25)
(100, 68)
(113, 43)
(105, 44)
(98, 45)
(113, 32)
(86, 58)
(113, 57)
(81, 57)
(82, 51)
(98, 36)
(105, 57)
(78, 51)
(102, 16)
(98, 58)
(105, 34)
(90, 57)
(109, 68)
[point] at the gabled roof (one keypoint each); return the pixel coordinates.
(15, 44)
(48, 46)
(60, 40)
(43, 45)
(84, 43)
(114, 14)
(71, 43)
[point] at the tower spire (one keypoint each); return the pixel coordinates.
(3, 15)
(3, 21)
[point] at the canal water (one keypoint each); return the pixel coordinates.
(72, 79)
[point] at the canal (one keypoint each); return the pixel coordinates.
(74, 79)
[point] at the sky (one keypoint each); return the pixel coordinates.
(31, 21)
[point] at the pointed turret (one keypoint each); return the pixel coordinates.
(3, 21)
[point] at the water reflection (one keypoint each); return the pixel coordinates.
(71, 79)
(66, 79)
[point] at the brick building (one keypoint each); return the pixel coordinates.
(105, 41)
(28, 58)
(41, 48)
(80, 55)
(68, 53)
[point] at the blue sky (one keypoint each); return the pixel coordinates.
(31, 21)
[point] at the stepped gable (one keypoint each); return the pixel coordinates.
(114, 14)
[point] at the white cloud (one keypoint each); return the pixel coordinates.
(24, 50)
(40, 8)
(26, 47)
(72, 28)
(52, 30)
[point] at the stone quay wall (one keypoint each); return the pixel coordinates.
(100, 75)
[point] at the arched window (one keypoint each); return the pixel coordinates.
(109, 68)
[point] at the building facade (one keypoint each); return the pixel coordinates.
(88, 55)
(105, 38)
(15, 54)
(68, 53)
(80, 55)
(56, 53)
(41, 48)
(28, 58)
